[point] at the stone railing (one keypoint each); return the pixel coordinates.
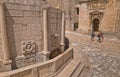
(46, 69)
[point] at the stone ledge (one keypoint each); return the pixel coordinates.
(46, 68)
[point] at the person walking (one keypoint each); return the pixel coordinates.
(92, 36)
(100, 37)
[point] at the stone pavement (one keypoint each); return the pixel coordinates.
(112, 45)
(104, 57)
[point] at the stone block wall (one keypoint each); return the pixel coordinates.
(24, 23)
(27, 2)
(24, 20)
(84, 23)
(54, 28)
(1, 51)
(46, 69)
(117, 25)
(109, 18)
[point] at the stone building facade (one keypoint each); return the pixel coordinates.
(98, 15)
(27, 33)
(88, 16)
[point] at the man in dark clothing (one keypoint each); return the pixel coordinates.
(100, 37)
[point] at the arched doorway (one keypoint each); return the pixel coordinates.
(75, 26)
(95, 27)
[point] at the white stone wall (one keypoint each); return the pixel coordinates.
(24, 23)
(84, 23)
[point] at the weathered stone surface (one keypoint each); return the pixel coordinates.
(14, 13)
(21, 1)
(104, 65)
(54, 35)
(104, 56)
(26, 13)
(24, 19)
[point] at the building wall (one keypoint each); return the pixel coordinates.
(54, 28)
(84, 23)
(24, 19)
(24, 23)
(70, 12)
(117, 25)
(109, 18)
(1, 51)
(107, 7)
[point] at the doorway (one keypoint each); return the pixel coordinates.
(95, 27)
(75, 26)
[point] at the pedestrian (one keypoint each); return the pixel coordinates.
(92, 36)
(100, 37)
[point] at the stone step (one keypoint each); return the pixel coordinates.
(74, 68)
(86, 72)
(78, 71)
(69, 69)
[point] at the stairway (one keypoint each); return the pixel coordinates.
(109, 18)
(77, 67)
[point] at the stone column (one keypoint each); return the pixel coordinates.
(67, 15)
(63, 32)
(5, 44)
(45, 48)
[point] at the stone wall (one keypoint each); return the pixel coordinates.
(109, 18)
(117, 25)
(24, 20)
(1, 51)
(54, 28)
(46, 69)
(27, 2)
(84, 22)
(24, 23)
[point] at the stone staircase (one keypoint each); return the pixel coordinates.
(109, 18)
(78, 67)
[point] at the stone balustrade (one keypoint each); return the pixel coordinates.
(46, 69)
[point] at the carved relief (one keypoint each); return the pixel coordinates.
(97, 4)
(28, 47)
(96, 14)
